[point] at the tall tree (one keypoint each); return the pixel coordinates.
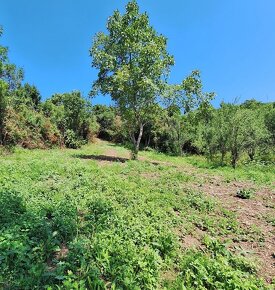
(270, 123)
(73, 116)
(133, 64)
(10, 79)
(189, 94)
(3, 106)
(9, 72)
(186, 96)
(28, 95)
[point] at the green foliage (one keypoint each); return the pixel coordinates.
(3, 106)
(13, 207)
(217, 268)
(9, 73)
(73, 116)
(29, 129)
(270, 122)
(244, 193)
(258, 172)
(70, 223)
(27, 95)
(110, 124)
(71, 140)
(132, 61)
(29, 239)
(10, 79)
(67, 222)
(199, 202)
(188, 95)
(21, 121)
(25, 121)
(232, 130)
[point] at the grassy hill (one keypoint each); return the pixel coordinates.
(92, 219)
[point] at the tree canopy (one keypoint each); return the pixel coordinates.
(133, 64)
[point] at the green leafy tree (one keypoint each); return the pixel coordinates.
(252, 104)
(270, 122)
(205, 137)
(133, 63)
(186, 97)
(225, 131)
(238, 133)
(175, 130)
(154, 129)
(222, 128)
(28, 95)
(110, 124)
(73, 116)
(234, 129)
(215, 130)
(68, 110)
(10, 79)
(257, 135)
(9, 73)
(189, 94)
(3, 106)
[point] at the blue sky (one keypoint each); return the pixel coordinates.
(231, 42)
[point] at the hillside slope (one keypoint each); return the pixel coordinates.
(92, 219)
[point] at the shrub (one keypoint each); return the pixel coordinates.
(71, 140)
(12, 207)
(244, 193)
(216, 268)
(29, 129)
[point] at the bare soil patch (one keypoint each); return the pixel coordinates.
(251, 214)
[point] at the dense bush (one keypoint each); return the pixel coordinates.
(110, 123)
(71, 140)
(29, 129)
(227, 134)
(64, 119)
(72, 115)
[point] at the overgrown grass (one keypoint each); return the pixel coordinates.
(68, 222)
(258, 172)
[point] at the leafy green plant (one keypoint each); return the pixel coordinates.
(71, 140)
(216, 268)
(69, 222)
(245, 193)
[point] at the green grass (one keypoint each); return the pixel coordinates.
(118, 224)
(257, 172)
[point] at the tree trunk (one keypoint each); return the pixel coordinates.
(251, 154)
(234, 159)
(136, 143)
(1, 134)
(2, 116)
(148, 141)
(223, 152)
(2, 129)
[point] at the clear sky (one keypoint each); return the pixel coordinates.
(232, 42)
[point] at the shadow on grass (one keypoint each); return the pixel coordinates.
(102, 158)
(111, 158)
